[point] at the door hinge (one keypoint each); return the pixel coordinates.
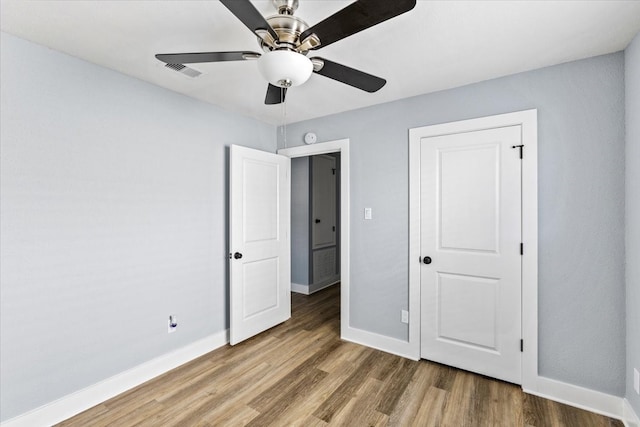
(519, 147)
(521, 248)
(521, 346)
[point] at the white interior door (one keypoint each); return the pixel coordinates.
(260, 250)
(470, 188)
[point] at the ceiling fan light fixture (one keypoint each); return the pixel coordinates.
(285, 68)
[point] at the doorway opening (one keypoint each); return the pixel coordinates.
(329, 257)
(315, 229)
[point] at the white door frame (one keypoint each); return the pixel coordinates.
(339, 146)
(528, 122)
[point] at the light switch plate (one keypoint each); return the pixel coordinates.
(405, 316)
(368, 214)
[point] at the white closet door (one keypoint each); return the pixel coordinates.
(471, 234)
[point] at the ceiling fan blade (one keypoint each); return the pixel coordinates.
(192, 58)
(356, 17)
(275, 95)
(350, 76)
(249, 15)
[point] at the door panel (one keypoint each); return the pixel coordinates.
(325, 265)
(259, 287)
(469, 198)
(471, 228)
(260, 257)
(260, 207)
(467, 310)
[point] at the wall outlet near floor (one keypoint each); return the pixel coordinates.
(636, 380)
(405, 316)
(172, 324)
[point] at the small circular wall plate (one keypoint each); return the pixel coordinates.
(310, 138)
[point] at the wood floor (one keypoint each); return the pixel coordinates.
(300, 374)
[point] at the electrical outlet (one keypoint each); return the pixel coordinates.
(405, 316)
(172, 324)
(636, 380)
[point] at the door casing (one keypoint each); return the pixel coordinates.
(528, 121)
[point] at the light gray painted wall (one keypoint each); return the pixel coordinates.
(632, 110)
(300, 220)
(581, 207)
(113, 217)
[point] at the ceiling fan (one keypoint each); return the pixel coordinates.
(286, 41)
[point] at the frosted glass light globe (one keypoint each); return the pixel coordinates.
(284, 68)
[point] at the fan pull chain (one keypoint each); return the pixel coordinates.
(283, 101)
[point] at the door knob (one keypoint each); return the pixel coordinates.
(317, 221)
(237, 255)
(426, 260)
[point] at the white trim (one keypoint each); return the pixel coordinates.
(74, 403)
(315, 287)
(379, 342)
(328, 147)
(414, 243)
(300, 289)
(312, 288)
(629, 416)
(528, 122)
(341, 146)
(579, 397)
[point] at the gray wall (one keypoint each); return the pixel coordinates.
(581, 207)
(113, 217)
(300, 220)
(632, 101)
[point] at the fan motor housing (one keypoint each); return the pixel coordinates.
(288, 28)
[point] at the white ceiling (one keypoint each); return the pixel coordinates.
(437, 45)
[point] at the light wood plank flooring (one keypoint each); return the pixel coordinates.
(300, 374)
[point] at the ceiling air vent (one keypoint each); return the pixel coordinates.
(184, 70)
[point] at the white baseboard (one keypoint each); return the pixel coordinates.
(629, 416)
(580, 397)
(380, 342)
(310, 289)
(299, 289)
(318, 287)
(74, 403)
